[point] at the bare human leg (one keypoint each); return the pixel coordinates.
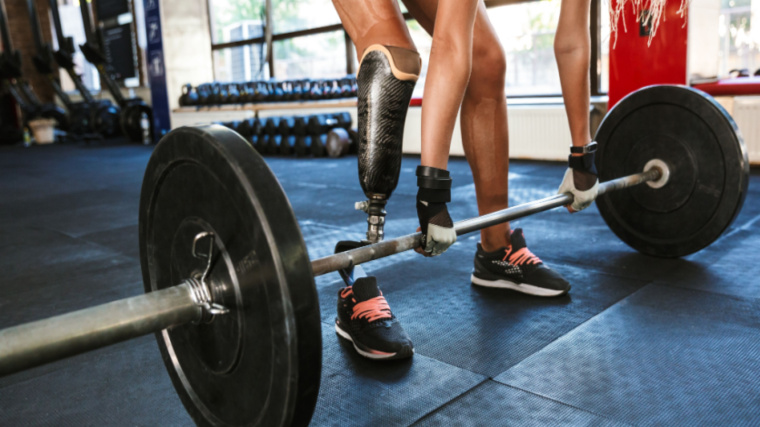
(374, 22)
(483, 117)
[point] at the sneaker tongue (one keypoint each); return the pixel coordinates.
(518, 240)
(366, 288)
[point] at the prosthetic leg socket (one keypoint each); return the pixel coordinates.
(386, 79)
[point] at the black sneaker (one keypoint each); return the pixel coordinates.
(515, 267)
(365, 319)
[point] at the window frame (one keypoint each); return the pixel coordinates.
(269, 38)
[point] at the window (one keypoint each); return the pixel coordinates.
(739, 37)
(235, 20)
(297, 15)
(241, 64)
(309, 42)
(526, 31)
(71, 21)
(315, 56)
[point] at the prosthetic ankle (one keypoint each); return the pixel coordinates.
(434, 192)
(581, 177)
(386, 79)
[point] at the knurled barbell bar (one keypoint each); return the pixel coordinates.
(240, 335)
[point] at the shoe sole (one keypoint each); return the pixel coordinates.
(519, 287)
(370, 353)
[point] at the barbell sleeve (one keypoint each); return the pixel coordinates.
(350, 258)
(44, 341)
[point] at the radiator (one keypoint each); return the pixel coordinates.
(538, 132)
(746, 112)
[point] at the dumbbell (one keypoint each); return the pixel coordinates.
(298, 89)
(204, 94)
(275, 92)
(288, 139)
(354, 87)
(211, 95)
(335, 90)
(319, 124)
(300, 127)
(218, 94)
(244, 129)
(244, 95)
(302, 146)
(318, 145)
(315, 92)
(287, 88)
(345, 87)
(233, 94)
(344, 119)
(189, 96)
(272, 135)
(338, 143)
(258, 136)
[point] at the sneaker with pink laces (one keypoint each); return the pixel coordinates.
(365, 319)
(516, 267)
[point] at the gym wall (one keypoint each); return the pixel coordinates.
(187, 45)
(23, 40)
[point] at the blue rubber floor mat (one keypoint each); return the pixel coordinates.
(494, 404)
(664, 356)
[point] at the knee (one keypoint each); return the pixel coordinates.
(489, 66)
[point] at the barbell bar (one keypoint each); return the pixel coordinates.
(241, 333)
(350, 258)
(48, 340)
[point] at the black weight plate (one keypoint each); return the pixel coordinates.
(708, 165)
(260, 363)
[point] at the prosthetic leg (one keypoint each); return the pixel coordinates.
(386, 79)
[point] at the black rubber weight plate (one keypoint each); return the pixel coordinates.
(260, 363)
(708, 165)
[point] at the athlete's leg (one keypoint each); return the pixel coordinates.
(389, 67)
(388, 70)
(483, 117)
(503, 259)
(374, 22)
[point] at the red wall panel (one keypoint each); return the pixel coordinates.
(635, 64)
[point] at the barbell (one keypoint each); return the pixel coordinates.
(230, 289)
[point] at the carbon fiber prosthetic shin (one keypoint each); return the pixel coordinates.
(386, 79)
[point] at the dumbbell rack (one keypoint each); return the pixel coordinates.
(330, 103)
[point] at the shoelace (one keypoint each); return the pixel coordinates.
(376, 308)
(521, 256)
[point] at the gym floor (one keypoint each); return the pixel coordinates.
(639, 340)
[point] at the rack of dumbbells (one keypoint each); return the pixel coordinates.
(267, 91)
(316, 135)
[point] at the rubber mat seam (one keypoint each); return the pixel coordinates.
(650, 283)
(454, 399)
(606, 417)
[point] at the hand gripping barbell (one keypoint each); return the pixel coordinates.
(230, 290)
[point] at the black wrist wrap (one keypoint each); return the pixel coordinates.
(435, 191)
(434, 185)
(584, 163)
